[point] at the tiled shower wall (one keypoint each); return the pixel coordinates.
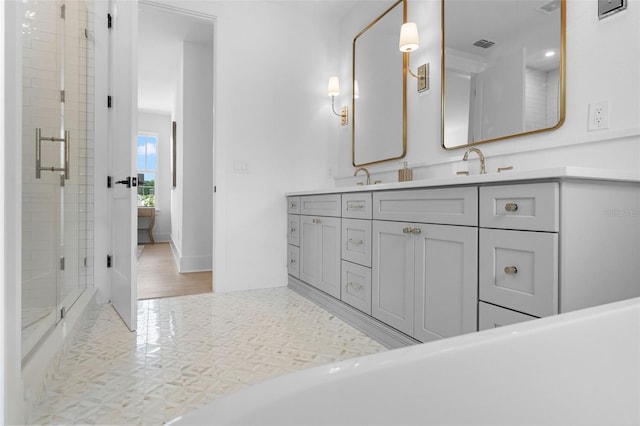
(541, 99)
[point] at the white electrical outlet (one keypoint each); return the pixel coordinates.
(599, 115)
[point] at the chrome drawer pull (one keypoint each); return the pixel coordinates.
(511, 207)
(293, 261)
(510, 270)
(293, 205)
(293, 230)
(356, 206)
(316, 221)
(356, 242)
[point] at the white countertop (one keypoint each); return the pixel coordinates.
(508, 176)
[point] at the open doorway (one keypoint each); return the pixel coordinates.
(175, 152)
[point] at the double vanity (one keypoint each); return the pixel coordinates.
(419, 261)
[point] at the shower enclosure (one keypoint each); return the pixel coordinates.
(57, 177)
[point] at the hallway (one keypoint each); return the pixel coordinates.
(158, 275)
(189, 351)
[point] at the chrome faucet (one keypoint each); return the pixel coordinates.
(480, 154)
(366, 171)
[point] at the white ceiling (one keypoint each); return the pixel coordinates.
(506, 23)
(160, 37)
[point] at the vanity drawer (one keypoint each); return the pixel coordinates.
(356, 286)
(293, 205)
(519, 270)
(357, 205)
(491, 316)
(531, 207)
(449, 206)
(293, 261)
(321, 205)
(356, 241)
(293, 229)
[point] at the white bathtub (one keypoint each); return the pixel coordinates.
(580, 368)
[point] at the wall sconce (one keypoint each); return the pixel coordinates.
(409, 42)
(333, 90)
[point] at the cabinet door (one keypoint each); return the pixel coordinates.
(446, 265)
(293, 205)
(392, 275)
(356, 241)
(519, 270)
(356, 205)
(320, 253)
(293, 262)
(293, 234)
(356, 286)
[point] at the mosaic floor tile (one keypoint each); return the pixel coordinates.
(187, 352)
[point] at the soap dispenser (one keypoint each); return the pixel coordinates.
(405, 174)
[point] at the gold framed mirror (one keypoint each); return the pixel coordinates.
(379, 82)
(503, 69)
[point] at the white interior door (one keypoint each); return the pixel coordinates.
(122, 128)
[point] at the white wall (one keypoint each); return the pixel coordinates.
(159, 124)
(272, 115)
(196, 159)
(603, 63)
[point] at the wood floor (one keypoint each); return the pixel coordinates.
(158, 275)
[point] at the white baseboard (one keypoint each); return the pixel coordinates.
(187, 264)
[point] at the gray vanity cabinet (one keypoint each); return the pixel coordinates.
(424, 275)
(320, 242)
(424, 263)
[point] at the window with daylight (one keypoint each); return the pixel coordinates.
(147, 164)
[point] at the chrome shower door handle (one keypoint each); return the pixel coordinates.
(65, 146)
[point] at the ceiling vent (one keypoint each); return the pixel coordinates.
(484, 43)
(550, 7)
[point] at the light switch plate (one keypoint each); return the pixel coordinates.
(609, 7)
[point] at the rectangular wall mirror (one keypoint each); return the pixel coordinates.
(379, 131)
(503, 68)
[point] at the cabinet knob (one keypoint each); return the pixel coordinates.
(293, 261)
(316, 221)
(510, 270)
(293, 230)
(406, 230)
(355, 286)
(416, 231)
(511, 207)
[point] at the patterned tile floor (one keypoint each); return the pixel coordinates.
(189, 351)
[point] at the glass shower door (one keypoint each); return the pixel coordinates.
(57, 81)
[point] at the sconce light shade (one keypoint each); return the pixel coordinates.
(334, 86)
(356, 89)
(409, 40)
